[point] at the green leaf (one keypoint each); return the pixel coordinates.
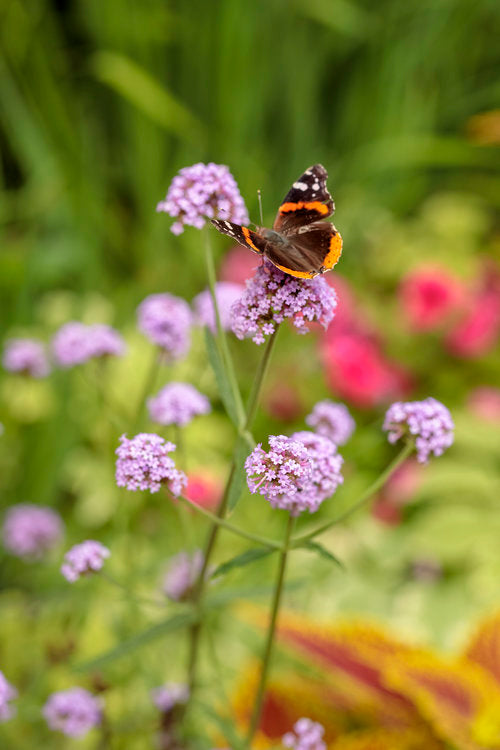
(177, 622)
(149, 95)
(246, 558)
(223, 385)
(323, 552)
(241, 452)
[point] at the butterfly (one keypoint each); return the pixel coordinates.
(300, 242)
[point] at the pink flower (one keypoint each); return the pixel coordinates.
(477, 332)
(484, 402)
(239, 265)
(429, 295)
(358, 371)
(204, 490)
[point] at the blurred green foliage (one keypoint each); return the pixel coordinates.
(101, 102)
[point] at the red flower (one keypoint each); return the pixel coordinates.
(204, 490)
(358, 371)
(239, 265)
(429, 295)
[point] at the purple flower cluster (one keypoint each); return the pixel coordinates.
(332, 421)
(326, 468)
(166, 321)
(82, 559)
(182, 574)
(29, 531)
(429, 422)
(7, 693)
(169, 695)
(76, 343)
(306, 735)
(281, 474)
(226, 294)
(200, 191)
(271, 296)
(26, 356)
(177, 403)
(73, 712)
(298, 473)
(143, 464)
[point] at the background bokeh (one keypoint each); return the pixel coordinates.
(101, 102)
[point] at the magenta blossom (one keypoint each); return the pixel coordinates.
(201, 191)
(167, 696)
(26, 356)
(143, 463)
(306, 735)
(182, 574)
(76, 343)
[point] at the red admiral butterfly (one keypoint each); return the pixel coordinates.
(299, 243)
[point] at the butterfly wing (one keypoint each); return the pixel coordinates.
(313, 250)
(243, 235)
(307, 201)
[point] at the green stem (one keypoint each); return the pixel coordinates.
(218, 521)
(268, 650)
(221, 334)
(130, 594)
(148, 385)
(366, 495)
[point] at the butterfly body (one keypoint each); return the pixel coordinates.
(300, 243)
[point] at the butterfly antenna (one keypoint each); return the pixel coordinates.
(259, 198)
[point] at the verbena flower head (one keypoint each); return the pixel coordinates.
(166, 321)
(226, 295)
(429, 422)
(332, 421)
(105, 341)
(76, 343)
(29, 531)
(326, 468)
(26, 356)
(280, 474)
(7, 693)
(271, 296)
(167, 696)
(177, 403)
(201, 191)
(82, 559)
(182, 574)
(73, 712)
(306, 735)
(143, 463)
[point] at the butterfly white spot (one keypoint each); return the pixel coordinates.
(228, 224)
(316, 186)
(300, 185)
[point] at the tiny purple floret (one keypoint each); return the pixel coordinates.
(73, 712)
(177, 403)
(27, 357)
(143, 463)
(332, 421)
(30, 531)
(182, 574)
(203, 191)
(167, 696)
(428, 422)
(8, 693)
(226, 294)
(76, 343)
(166, 321)
(84, 559)
(271, 296)
(306, 735)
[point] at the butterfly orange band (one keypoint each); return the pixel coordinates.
(313, 206)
